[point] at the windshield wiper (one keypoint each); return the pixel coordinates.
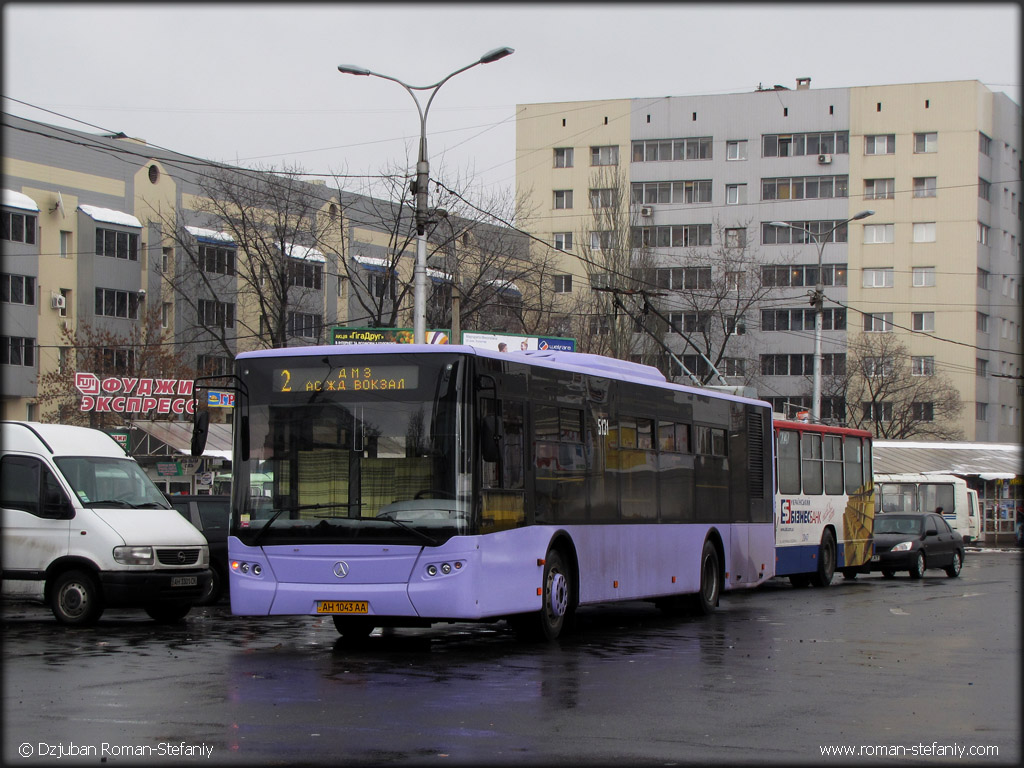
(278, 512)
(110, 503)
(389, 516)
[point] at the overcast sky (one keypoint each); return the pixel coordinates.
(258, 84)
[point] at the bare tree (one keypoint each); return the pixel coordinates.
(885, 395)
(140, 352)
(253, 236)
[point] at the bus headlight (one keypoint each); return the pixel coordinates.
(133, 555)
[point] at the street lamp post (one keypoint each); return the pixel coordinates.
(817, 301)
(422, 179)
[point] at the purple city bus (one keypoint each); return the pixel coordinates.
(403, 485)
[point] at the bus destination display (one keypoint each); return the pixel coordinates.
(351, 378)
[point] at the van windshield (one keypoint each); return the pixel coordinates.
(108, 482)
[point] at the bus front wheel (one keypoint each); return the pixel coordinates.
(706, 599)
(556, 606)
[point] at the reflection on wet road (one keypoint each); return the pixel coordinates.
(771, 677)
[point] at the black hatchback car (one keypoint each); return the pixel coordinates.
(210, 514)
(914, 541)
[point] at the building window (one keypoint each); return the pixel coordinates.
(804, 232)
(878, 412)
(924, 186)
(926, 142)
(213, 365)
(981, 411)
(696, 191)
(922, 365)
(118, 245)
(563, 199)
(682, 236)
(216, 314)
(16, 350)
(602, 198)
(983, 279)
(563, 157)
(884, 144)
(381, 286)
(166, 314)
(166, 259)
(601, 240)
(878, 233)
(661, 150)
(736, 238)
(804, 188)
(116, 360)
(924, 232)
(112, 303)
(984, 144)
(796, 144)
(66, 244)
(982, 322)
(983, 233)
(980, 367)
(608, 155)
(18, 227)
(879, 189)
(18, 289)
(876, 367)
(304, 325)
(736, 150)
(735, 194)
(923, 277)
(984, 189)
(305, 274)
(563, 241)
(734, 366)
(563, 284)
(799, 275)
(878, 322)
(832, 319)
(922, 321)
(219, 261)
(787, 365)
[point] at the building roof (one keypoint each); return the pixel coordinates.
(989, 461)
(176, 437)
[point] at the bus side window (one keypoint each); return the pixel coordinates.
(810, 453)
(854, 465)
(789, 461)
(834, 465)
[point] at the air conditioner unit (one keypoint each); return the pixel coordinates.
(647, 211)
(58, 301)
(824, 159)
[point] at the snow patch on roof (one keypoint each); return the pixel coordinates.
(14, 199)
(110, 216)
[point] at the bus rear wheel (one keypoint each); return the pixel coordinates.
(826, 561)
(706, 600)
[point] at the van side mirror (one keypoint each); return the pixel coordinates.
(200, 430)
(490, 433)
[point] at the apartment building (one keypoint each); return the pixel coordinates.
(772, 180)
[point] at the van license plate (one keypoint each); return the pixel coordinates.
(342, 606)
(184, 581)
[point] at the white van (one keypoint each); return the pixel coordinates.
(85, 529)
(911, 492)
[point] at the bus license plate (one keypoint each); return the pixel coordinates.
(342, 606)
(184, 581)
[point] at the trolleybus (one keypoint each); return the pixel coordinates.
(824, 504)
(931, 492)
(414, 484)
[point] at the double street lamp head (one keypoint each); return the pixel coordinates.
(487, 58)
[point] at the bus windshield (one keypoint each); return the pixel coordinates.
(352, 448)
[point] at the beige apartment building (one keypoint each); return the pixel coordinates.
(937, 264)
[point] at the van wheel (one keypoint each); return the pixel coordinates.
(168, 613)
(215, 590)
(75, 599)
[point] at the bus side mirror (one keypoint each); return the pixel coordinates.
(200, 430)
(489, 436)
